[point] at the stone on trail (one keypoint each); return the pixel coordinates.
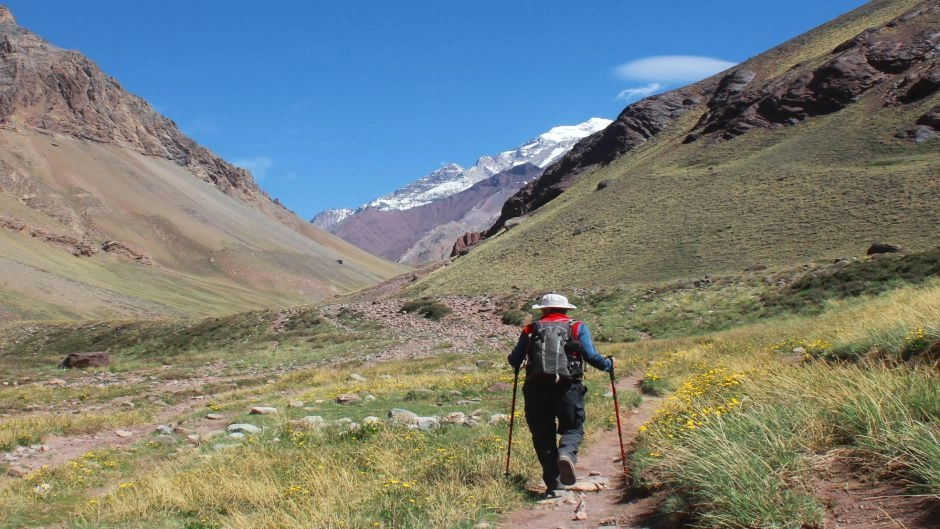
(215, 416)
(262, 410)
(123, 433)
(164, 429)
(56, 382)
(244, 428)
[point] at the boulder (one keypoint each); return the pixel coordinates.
(83, 360)
(402, 417)
(348, 398)
(878, 248)
(499, 387)
(244, 428)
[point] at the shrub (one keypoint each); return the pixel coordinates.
(428, 308)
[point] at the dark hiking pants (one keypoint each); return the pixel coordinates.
(550, 410)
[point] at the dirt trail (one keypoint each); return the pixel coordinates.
(607, 507)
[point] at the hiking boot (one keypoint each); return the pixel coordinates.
(566, 470)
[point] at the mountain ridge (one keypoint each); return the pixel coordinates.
(105, 199)
(644, 201)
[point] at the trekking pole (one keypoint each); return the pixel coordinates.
(613, 389)
(512, 418)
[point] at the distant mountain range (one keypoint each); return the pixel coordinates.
(450, 201)
(108, 210)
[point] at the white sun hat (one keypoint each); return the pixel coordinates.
(554, 301)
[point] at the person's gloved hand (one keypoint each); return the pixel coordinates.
(610, 364)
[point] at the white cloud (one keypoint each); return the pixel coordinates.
(258, 166)
(678, 69)
(638, 92)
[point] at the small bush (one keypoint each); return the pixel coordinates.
(514, 317)
(428, 308)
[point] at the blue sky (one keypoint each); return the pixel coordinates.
(332, 104)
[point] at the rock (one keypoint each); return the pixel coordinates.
(295, 404)
(454, 418)
(215, 416)
(165, 440)
(402, 417)
(56, 382)
(357, 377)
(879, 248)
(580, 512)
(482, 525)
(799, 350)
(499, 387)
(426, 424)
(483, 364)
(236, 435)
(468, 402)
(214, 433)
(17, 472)
(123, 433)
(348, 398)
(498, 418)
(262, 410)
(370, 398)
(183, 431)
(312, 421)
(83, 360)
(164, 429)
(194, 439)
(371, 420)
(603, 184)
(244, 428)
(9, 457)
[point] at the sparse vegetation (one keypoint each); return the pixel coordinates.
(427, 307)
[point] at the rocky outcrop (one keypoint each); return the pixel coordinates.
(464, 242)
(83, 360)
(901, 55)
(62, 91)
(635, 126)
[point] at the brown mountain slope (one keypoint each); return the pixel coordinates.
(814, 149)
(107, 210)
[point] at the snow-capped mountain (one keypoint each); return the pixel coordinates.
(451, 179)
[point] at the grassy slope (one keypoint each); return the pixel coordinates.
(286, 476)
(825, 188)
(212, 253)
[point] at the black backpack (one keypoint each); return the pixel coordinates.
(554, 354)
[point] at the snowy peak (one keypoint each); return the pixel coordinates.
(451, 179)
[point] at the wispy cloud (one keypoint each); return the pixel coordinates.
(258, 165)
(671, 69)
(639, 92)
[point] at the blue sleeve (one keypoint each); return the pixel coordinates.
(518, 352)
(590, 354)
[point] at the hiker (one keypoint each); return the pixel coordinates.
(554, 349)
